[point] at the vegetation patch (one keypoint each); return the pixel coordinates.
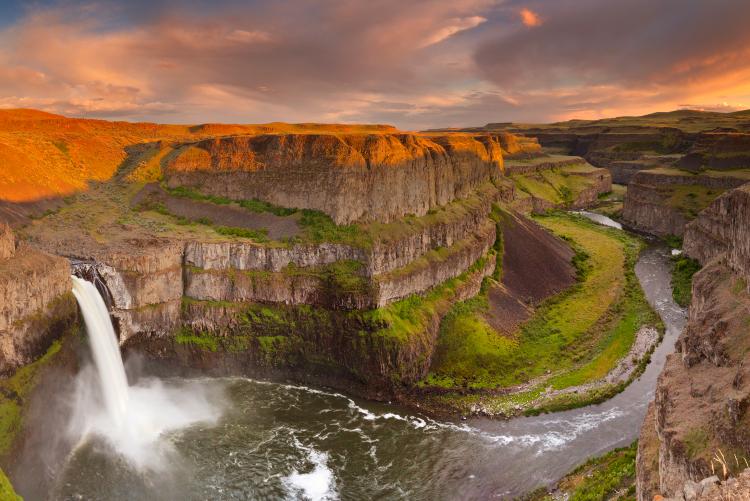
(559, 186)
(696, 442)
(683, 269)
(15, 390)
(690, 199)
(317, 227)
(202, 340)
(607, 477)
(6, 489)
(573, 338)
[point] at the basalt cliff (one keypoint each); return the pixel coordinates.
(698, 426)
(324, 253)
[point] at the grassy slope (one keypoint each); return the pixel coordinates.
(6, 489)
(607, 477)
(579, 334)
(559, 185)
(686, 120)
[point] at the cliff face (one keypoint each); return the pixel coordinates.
(556, 182)
(146, 284)
(352, 350)
(722, 230)
(702, 395)
(351, 177)
(662, 203)
(148, 278)
(37, 305)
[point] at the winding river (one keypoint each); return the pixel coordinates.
(278, 441)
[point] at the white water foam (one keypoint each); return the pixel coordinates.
(316, 485)
(132, 419)
(568, 429)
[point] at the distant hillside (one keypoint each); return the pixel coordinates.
(45, 155)
(685, 120)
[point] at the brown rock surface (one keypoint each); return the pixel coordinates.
(351, 177)
(7, 242)
(702, 395)
(650, 206)
(723, 229)
(36, 305)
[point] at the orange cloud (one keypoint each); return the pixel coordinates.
(529, 18)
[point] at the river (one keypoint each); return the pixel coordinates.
(279, 441)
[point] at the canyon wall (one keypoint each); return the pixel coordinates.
(702, 396)
(350, 177)
(549, 182)
(723, 230)
(147, 278)
(663, 202)
(37, 305)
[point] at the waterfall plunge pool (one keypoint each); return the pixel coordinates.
(247, 439)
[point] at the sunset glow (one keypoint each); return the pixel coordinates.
(357, 61)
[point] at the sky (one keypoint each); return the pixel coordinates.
(413, 63)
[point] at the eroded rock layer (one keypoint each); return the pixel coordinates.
(663, 203)
(351, 177)
(36, 305)
(700, 421)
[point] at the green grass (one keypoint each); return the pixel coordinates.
(255, 235)
(683, 269)
(696, 442)
(200, 340)
(673, 241)
(611, 476)
(690, 199)
(560, 186)
(579, 334)
(317, 227)
(6, 489)
(408, 317)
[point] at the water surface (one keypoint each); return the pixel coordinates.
(291, 442)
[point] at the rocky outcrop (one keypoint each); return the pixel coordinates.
(145, 282)
(713, 489)
(440, 266)
(723, 229)
(148, 277)
(352, 350)
(518, 146)
(702, 396)
(36, 307)
(663, 203)
(556, 182)
(351, 177)
(324, 286)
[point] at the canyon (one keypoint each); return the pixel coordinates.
(404, 267)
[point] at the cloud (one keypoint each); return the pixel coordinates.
(454, 26)
(244, 36)
(419, 64)
(529, 17)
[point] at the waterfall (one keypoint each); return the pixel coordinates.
(114, 383)
(134, 418)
